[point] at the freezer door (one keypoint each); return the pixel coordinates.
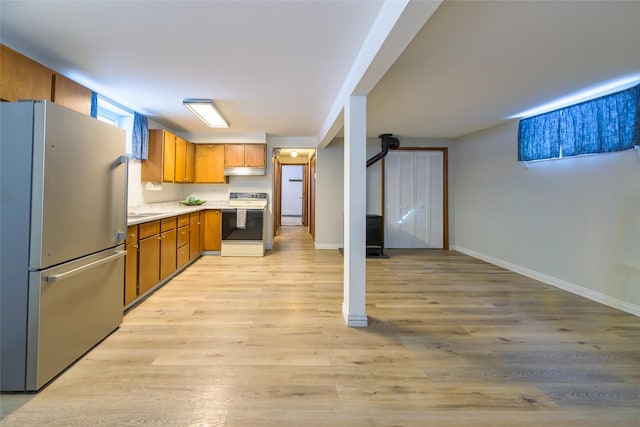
(72, 307)
(78, 187)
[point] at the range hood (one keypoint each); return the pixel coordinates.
(245, 171)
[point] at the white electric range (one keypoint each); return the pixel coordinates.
(243, 225)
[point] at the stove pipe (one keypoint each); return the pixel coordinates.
(388, 142)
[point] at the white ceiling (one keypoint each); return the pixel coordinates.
(276, 67)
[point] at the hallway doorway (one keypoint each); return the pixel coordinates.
(292, 195)
(294, 188)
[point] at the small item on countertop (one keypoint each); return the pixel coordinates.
(192, 201)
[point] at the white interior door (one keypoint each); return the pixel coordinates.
(414, 196)
(292, 190)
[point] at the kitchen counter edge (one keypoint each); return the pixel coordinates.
(173, 211)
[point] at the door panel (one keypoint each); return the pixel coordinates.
(414, 190)
(79, 190)
(73, 313)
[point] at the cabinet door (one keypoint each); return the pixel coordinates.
(181, 160)
(168, 249)
(131, 274)
(212, 232)
(190, 164)
(71, 95)
(194, 235)
(209, 163)
(22, 78)
(149, 263)
(255, 155)
(233, 155)
(169, 157)
(151, 169)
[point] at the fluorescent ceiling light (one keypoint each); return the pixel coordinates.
(204, 109)
(584, 95)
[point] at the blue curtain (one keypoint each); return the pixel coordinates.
(94, 104)
(601, 125)
(140, 137)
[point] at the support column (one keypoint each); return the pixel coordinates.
(355, 202)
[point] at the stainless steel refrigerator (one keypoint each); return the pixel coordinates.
(62, 226)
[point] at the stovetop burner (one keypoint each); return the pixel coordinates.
(248, 200)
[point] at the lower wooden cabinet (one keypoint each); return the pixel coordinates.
(212, 230)
(157, 249)
(148, 263)
(195, 245)
(182, 255)
(168, 246)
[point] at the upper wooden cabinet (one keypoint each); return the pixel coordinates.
(209, 164)
(255, 155)
(181, 160)
(185, 158)
(161, 162)
(23, 78)
(233, 155)
(245, 155)
(190, 162)
(70, 94)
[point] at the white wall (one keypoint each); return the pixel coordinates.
(139, 195)
(330, 183)
(329, 195)
(573, 222)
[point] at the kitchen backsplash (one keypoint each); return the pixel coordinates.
(139, 195)
(166, 192)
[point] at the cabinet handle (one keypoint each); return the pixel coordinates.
(121, 235)
(62, 276)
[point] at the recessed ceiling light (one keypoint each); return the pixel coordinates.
(204, 109)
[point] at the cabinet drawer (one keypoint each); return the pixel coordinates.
(183, 220)
(183, 236)
(194, 218)
(149, 229)
(183, 256)
(168, 224)
(132, 234)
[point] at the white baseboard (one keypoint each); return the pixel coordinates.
(354, 320)
(553, 281)
(323, 246)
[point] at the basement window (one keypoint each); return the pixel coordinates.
(116, 115)
(605, 124)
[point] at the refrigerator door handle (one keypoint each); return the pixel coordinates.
(122, 235)
(62, 276)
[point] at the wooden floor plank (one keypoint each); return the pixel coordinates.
(452, 341)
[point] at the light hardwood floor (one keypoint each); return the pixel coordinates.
(452, 341)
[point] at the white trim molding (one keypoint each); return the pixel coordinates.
(553, 281)
(354, 320)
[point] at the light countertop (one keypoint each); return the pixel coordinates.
(154, 211)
